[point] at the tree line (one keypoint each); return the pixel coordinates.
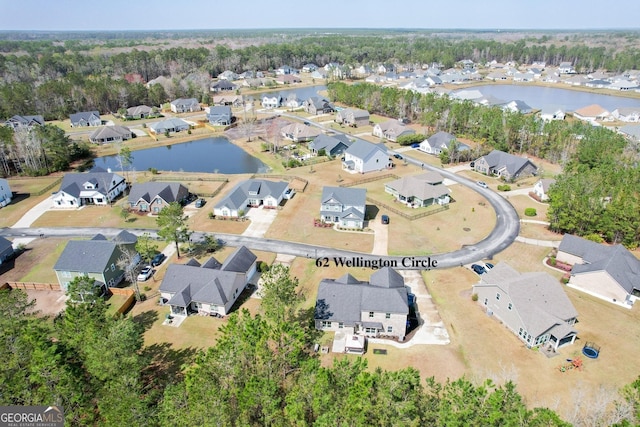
(596, 196)
(261, 371)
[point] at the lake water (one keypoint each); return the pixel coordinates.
(538, 97)
(210, 155)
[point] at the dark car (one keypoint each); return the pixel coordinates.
(415, 145)
(397, 156)
(384, 219)
(488, 265)
(200, 203)
(478, 269)
(157, 260)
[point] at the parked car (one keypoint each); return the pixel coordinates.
(488, 265)
(157, 260)
(482, 184)
(289, 193)
(397, 156)
(145, 273)
(415, 145)
(200, 203)
(478, 269)
(384, 219)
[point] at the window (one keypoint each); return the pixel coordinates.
(498, 296)
(113, 267)
(370, 330)
(66, 274)
(340, 325)
(486, 301)
(326, 324)
(389, 329)
(371, 314)
(510, 306)
(387, 316)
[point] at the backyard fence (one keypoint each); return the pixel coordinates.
(128, 302)
(373, 178)
(121, 291)
(34, 286)
(47, 188)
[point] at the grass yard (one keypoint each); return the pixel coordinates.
(19, 205)
(36, 263)
(94, 216)
(521, 202)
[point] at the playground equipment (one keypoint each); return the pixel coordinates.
(591, 350)
(572, 364)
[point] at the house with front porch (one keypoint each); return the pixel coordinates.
(531, 305)
(5, 193)
(343, 206)
(505, 165)
(420, 190)
(96, 258)
(185, 105)
(333, 145)
(379, 307)
(391, 130)
(271, 101)
(153, 196)
(251, 193)
(352, 117)
(209, 289)
(88, 188)
(610, 273)
(85, 118)
(363, 157)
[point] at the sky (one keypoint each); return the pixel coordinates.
(77, 15)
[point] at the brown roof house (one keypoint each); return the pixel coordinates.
(420, 190)
(211, 288)
(532, 305)
(592, 113)
(610, 273)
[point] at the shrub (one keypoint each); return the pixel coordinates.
(211, 215)
(504, 187)
(474, 297)
(530, 212)
(264, 267)
(147, 288)
(153, 171)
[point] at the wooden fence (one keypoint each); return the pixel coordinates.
(121, 291)
(47, 188)
(34, 286)
(373, 178)
(128, 303)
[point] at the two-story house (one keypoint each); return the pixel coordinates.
(90, 188)
(532, 305)
(541, 188)
(220, 115)
(343, 206)
(211, 288)
(85, 118)
(363, 157)
(374, 308)
(154, 196)
(184, 105)
(333, 145)
(5, 193)
(97, 258)
(317, 105)
(352, 117)
(271, 101)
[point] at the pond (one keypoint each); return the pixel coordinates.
(538, 97)
(209, 155)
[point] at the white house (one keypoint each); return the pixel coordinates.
(91, 188)
(251, 193)
(391, 130)
(5, 193)
(550, 112)
(439, 142)
(271, 101)
(541, 189)
(343, 206)
(363, 157)
(182, 105)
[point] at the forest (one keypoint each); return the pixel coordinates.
(261, 371)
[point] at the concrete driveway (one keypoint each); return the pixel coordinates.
(34, 213)
(380, 237)
(261, 220)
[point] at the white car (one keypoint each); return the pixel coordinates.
(482, 184)
(145, 273)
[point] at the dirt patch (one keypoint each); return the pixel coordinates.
(47, 303)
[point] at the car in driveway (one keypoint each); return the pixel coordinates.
(145, 274)
(488, 265)
(415, 145)
(398, 156)
(478, 269)
(384, 219)
(157, 260)
(482, 184)
(200, 203)
(289, 193)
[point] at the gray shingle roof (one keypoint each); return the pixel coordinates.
(499, 159)
(138, 110)
(329, 143)
(83, 115)
(345, 195)
(5, 247)
(364, 150)
(167, 191)
(425, 186)
(73, 183)
(344, 299)
(106, 132)
(240, 261)
(90, 256)
(237, 197)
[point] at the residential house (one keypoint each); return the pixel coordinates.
(363, 70)
(233, 100)
(293, 102)
(541, 188)
(17, 122)
(623, 85)
(271, 101)
(566, 68)
(227, 75)
(532, 305)
(627, 114)
(89, 188)
(85, 118)
(251, 193)
(496, 76)
(343, 206)
(391, 130)
(352, 117)
(169, 125)
(209, 289)
(379, 307)
(318, 105)
(333, 145)
(523, 77)
(138, 112)
(287, 79)
(631, 132)
(420, 190)
(5, 193)
(223, 86)
(505, 165)
(320, 74)
(153, 196)
(309, 68)
(517, 106)
(551, 112)
(285, 70)
(441, 141)
(608, 272)
(108, 134)
(592, 113)
(6, 250)
(598, 84)
(363, 157)
(220, 115)
(299, 132)
(96, 258)
(185, 105)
